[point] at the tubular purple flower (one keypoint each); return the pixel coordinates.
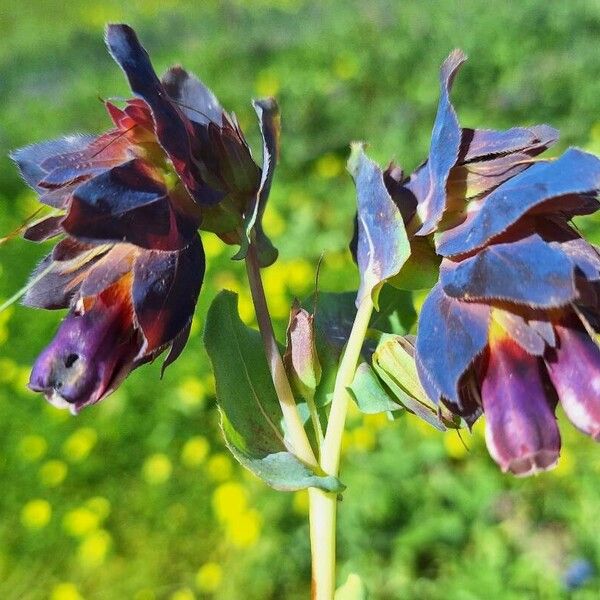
(574, 369)
(520, 428)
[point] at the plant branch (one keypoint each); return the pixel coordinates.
(298, 438)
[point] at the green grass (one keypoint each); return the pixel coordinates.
(421, 518)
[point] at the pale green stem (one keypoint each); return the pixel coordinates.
(314, 417)
(298, 439)
(323, 505)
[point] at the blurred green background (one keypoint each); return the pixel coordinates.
(137, 498)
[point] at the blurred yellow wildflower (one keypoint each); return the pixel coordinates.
(8, 369)
(183, 594)
(246, 308)
(566, 464)
(99, 506)
(273, 222)
(80, 521)
(79, 444)
(36, 514)
(157, 469)
(191, 391)
(454, 445)
(93, 549)
(364, 439)
(33, 447)
(329, 166)
(209, 577)
(53, 473)
(300, 275)
(267, 83)
(345, 67)
(219, 467)
(244, 530)
(195, 451)
(229, 500)
(300, 502)
(65, 591)
(213, 246)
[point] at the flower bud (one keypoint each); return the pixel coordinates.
(521, 431)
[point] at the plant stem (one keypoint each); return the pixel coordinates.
(300, 445)
(323, 505)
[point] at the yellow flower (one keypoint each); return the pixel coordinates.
(195, 451)
(79, 444)
(191, 391)
(219, 467)
(363, 439)
(80, 521)
(157, 469)
(300, 502)
(36, 514)
(455, 447)
(99, 506)
(213, 246)
(329, 166)
(209, 577)
(32, 447)
(65, 591)
(267, 83)
(300, 276)
(377, 421)
(182, 594)
(273, 222)
(246, 308)
(229, 500)
(244, 530)
(53, 473)
(8, 369)
(94, 547)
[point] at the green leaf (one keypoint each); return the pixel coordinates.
(382, 247)
(251, 416)
(394, 362)
(369, 394)
(422, 269)
(353, 589)
(270, 127)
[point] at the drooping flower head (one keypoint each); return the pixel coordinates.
(508, 328)
(129, 263)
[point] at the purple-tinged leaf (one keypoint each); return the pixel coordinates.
(177, 347)
(165, 290)
(443, 152)
(127, 204)
(575, 172)
(116, 263)
(529, 272)
(44, 229)
(451, 335)
(193, 98)
(383, 245)
(30, 158)
(583, 255)
(480, 144)
(270, 128)
(173, 130)
(520, 331)
(520, 430)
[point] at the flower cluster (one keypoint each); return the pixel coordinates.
(509, 328)
(127, 204)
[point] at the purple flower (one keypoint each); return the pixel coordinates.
(507, 329)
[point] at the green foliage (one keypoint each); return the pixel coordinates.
(250, 413)
(425, 519)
